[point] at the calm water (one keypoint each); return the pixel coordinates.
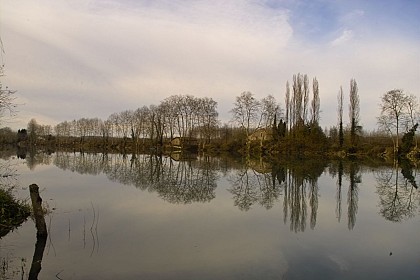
(115, 217)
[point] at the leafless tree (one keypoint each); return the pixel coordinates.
(287, 105)
(246, 111)
(305, 108)
(340, 117)
(393, 113)
(33, 130)
(315, 104)
(354, 111)
(207, 118)
(269, 109)
(7, 97)
(297, 100)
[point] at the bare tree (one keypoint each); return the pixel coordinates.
(340, 117)
(113, 125)
(354, 111)
(245, 111)
(125, 123)
(269, 109)
(207, 116)
(7, 97)
(62, 129)
(315, 104)
(305, 108)
(287, 105)
(141, 116)
(393, 113)
(297, 100)
(33, 130)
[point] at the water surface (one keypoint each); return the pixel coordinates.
(148, 217)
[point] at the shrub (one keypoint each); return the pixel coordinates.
(12, 212)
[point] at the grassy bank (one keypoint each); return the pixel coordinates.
(12, 211)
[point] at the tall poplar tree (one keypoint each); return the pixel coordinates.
(287, 105)
(340, 117)
(354, 110)
(315, 104)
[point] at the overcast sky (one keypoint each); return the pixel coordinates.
(79, 58)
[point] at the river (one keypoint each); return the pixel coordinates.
(148, 217)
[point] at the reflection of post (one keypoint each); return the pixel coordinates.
(41, 232)
(37, 259)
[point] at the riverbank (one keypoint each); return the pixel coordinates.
(12, 211)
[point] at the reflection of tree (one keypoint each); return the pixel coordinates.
(407, 172)
(83, 163)
(397, 194)
(35, 158)
(313, 201)
(250, 187)
(339, 186)
(181, 182)
(295, 202)
(297, 182)
(353, 195)
(350, 170)
(302, 184)
(175, 181)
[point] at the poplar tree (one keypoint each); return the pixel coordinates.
(287, 105)
(315, 104)
(354, 110)
(340, 117)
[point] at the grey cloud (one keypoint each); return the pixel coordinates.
(104, 57)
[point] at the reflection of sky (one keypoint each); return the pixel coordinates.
(140, 235)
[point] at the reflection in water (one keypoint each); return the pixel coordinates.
(353, 194)
(263, 184)
(140, 236)
(350, 170)
(37, 258)
(255, 182)
(301, 185)
(250, 187)
(175, 181)
(398, 199)
(339, 186)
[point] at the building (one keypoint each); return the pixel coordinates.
(261, 134)
(184, 143)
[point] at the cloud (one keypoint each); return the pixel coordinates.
(92, 58)
(346, 36)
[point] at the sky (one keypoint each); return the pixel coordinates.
(91, 58)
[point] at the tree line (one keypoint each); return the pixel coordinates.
(293, 127)
(183, 116)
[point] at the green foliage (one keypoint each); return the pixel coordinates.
(303, 140)
(7, 136)
(12, 212)
(407, 141)
(281, 129)
(341, 135)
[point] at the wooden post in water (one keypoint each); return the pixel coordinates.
(41, 232)
(41, 227)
